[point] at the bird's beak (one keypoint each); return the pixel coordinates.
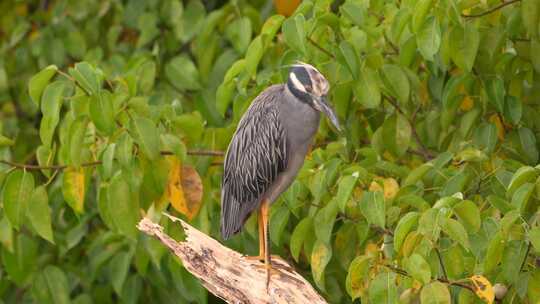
(324, 107)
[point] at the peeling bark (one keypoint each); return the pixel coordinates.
(228, 274)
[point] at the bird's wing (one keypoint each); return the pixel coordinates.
(255, 157)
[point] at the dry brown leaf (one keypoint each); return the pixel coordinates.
(184, 188)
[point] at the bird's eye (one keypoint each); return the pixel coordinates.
(308, 89)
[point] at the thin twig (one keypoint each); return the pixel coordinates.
(459, 284)
(441, 262)
(205, 153)
(320, 48)
(525, 258)
(98, 162)
(442, 280)
(491, 10)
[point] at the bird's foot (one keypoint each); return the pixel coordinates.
(254, 258)
(269, 272)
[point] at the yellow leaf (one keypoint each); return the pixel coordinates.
(466, 104)
(498, 123)
(184, 188)
(391, 188)
(74, 188)
(424, 93)
(374, 186)
(482, 288)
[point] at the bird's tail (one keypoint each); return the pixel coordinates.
(231, 216)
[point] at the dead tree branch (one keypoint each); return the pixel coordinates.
(230, 275)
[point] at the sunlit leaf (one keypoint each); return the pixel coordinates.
(74, 188)
(39, 81)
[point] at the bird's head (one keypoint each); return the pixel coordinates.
(308, 85)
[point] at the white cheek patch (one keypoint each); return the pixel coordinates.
(297, 84)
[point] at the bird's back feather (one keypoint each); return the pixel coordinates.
(256, 156)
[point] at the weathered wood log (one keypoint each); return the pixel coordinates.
(229, 274)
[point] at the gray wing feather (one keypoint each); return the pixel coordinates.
(254, 159)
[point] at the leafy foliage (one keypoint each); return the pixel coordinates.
(113, 110)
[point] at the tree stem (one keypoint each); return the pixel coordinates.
(491, 10)
(98, 162)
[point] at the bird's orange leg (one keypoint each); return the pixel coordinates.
(265, 206)
(262, 244)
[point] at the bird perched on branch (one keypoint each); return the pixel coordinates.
(268, 149)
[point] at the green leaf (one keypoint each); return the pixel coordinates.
(367, 89)
(469, 215)
(373, 208)
(278, 222)
(421, 11)
(102, 112)
(345, 189)
(416, 174)
(496, 93)
(124, 207)
(528, 145)
(499, 203)
(508, 221)
(513, 108)
(51, 286)
(107, 159)
(396, 82)
(456, 231)
(350, 57)
(534, 238)
(383, 289)
(396, 133)
(294, 33)
(403, 227)
(428, 38)
(239, 34)
(146, 135)
(118, 270)
(39, 213)
(357, 275)
(38, 82)
(533, 288)
(429, 224)
(494, 253)
(464, 45)
(254, 54)
(535, 55)
(17, 190)
(418, 268)
(182, 73)
(50, 107)
(485, 137)
(522, 195)
(320, 256)
(299, 236)
(525, 174)
(324, 221)
(270, 28)
(88, 77)
(530, 14)
(435, 293)
(77, 132)
(514, 253)
(4, 141)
